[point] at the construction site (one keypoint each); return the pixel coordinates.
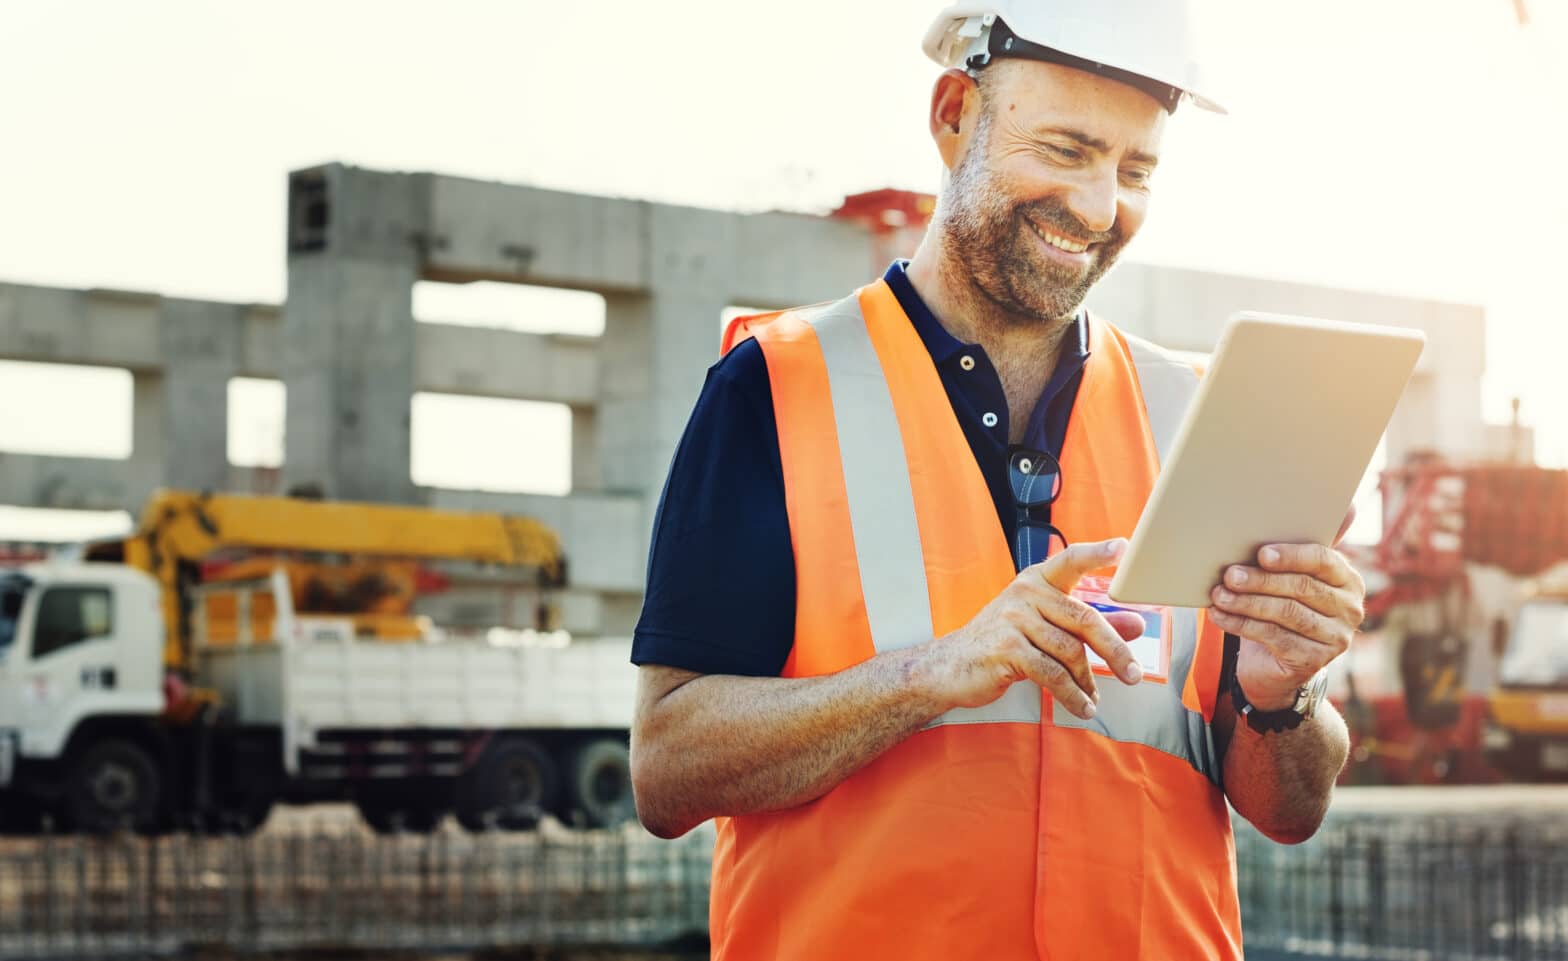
(324, 671)
(326, 703)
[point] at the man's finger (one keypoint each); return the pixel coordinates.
(1088, 626)
(1316, 594)
(1288, 613)
(1068, 651)
(1063, 571)
(1054, 679)
(1324, 563)
(1095, 629)
(1063, 648)
(1129, 625)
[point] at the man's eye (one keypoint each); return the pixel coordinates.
(1065, 153)
(1135, 177)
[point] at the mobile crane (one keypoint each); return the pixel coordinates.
(235, 651)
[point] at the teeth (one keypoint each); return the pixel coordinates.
(1061, 243)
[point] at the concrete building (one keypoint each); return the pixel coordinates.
(346, 346)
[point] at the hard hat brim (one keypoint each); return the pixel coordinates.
(943, 45)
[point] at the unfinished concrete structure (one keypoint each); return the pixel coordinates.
(346, 345)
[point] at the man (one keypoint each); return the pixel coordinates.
(861, 650)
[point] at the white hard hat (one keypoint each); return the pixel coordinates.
(1143, 42)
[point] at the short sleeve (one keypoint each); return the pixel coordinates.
(721, 568)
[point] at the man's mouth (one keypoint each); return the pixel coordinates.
(1057, 240)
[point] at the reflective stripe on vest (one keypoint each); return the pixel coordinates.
(882, 506)
(1004, 832)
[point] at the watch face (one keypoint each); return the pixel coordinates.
(1312, 694)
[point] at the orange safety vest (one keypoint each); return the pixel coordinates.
(1010, 831)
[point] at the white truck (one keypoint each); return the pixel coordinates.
(97, 732)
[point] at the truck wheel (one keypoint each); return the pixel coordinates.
(243, 812)
(600, 786)
(387, 815)
(115, 784)
(511, 785)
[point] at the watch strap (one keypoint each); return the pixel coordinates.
(1284, 719)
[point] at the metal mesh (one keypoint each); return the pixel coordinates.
(1414, 888)
(330, 888)
(1417, 888)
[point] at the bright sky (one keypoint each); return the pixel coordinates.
(1410, 146)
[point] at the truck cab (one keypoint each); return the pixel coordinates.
(80, 659)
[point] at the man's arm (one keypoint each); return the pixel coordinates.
(1281, 781)
(721, 745)
(1294, 612)
(710, 744)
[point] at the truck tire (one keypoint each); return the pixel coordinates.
(243, 811)
(511, 785)
(115, 784)
(389, 814)
(599, 790)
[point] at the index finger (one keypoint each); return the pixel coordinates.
(1063, 571)
(1324, 563)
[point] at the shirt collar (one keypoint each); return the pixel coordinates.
(940, 344)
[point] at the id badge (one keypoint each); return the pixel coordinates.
(1152, 649)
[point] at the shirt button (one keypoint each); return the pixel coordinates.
(1025, 465)
(966, 362)
(988, 419)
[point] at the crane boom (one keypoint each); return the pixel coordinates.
(182, 527)
(189, 526)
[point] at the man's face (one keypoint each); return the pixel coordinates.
(1051, 186)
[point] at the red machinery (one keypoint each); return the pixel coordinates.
(1455, 538)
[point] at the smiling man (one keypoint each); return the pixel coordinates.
(869, 646)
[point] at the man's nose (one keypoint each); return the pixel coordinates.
(1093, 202)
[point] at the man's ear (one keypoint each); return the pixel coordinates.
(955, 108)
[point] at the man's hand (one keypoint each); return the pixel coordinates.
(1296, 611)
(1035, 630)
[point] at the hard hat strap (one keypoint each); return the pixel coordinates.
(1002, 42)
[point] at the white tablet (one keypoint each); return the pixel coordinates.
(1271, 450)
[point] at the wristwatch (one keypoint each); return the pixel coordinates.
(1308, 697)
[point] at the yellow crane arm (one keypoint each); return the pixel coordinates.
(181, 526)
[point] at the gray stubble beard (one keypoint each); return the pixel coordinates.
(990, 240)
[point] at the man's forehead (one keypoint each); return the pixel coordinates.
(1039, 97)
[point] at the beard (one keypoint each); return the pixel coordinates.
(989, 234)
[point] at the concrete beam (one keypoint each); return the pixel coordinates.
(74, 483)
(501, 363)
(1186, 310)
(491, 231)
(117, 328)
(126, 329)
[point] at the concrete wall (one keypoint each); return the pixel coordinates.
(346, 345)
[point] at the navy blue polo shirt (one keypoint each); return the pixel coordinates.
(721, 569)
